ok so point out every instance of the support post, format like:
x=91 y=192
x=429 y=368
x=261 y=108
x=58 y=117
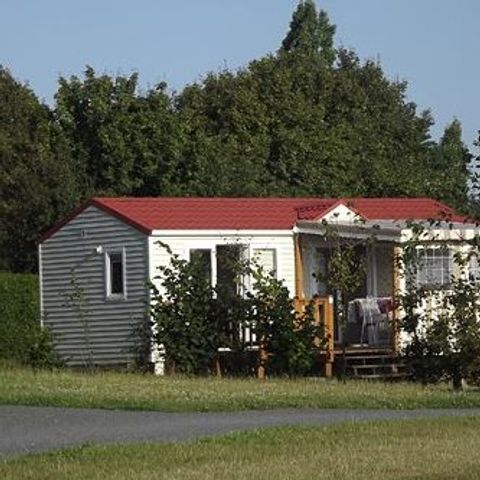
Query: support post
x=323 y=314
x=218 y=366
x=299 y=281
x=263 y=362
x=329 y=333
x=395 y=295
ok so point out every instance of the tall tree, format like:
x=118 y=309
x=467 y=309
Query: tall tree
x=37 y=180
x=310 y=33
x=125 y=141
x=451 y=163
x=474 y=197
x=311 y=120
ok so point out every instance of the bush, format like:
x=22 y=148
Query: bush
x=21 y=337
x=184 y=317
x=287 y=337
x=444 y=339
x=192 y=320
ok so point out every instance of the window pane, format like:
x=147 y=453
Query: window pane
x=265 y=257
x=473 y=269
x=116 y=273
x=229 y=277
x=203 y=258
x=434 y=267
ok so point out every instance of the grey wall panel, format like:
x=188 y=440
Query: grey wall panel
x=105 y=330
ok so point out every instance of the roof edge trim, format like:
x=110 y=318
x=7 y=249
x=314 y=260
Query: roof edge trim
x=92 y=202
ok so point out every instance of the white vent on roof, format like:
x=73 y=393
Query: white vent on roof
x=341 y=214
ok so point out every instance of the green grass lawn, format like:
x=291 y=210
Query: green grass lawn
x=19 y=386
x=445 y=448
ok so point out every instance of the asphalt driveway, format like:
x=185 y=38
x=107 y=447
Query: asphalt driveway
x=39 y=429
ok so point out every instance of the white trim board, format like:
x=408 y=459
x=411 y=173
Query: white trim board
x=221 y=233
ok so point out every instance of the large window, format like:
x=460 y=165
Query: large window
x=115 y=279
x=434 y=267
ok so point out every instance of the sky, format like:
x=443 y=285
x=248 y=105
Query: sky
x=432 y=44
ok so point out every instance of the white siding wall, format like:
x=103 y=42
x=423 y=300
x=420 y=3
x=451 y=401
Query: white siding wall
x=430 y=304
x=182 y=244
x=109 y=326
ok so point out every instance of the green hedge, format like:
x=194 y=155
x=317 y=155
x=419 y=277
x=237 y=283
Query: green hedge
x=21 y=337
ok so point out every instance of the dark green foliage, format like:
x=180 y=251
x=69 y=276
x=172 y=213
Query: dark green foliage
x=21 y=337
x=123 y=141
x=183 y=315
x=451 y=160
x=287 y=337
x=192 y=320
x=443 y=326
x=310 y=33
x=448 y=345
x=37 y=180
x=421 y=350
x=460 y=331
x=473 y=207
x=298 y=123
x=312 y=120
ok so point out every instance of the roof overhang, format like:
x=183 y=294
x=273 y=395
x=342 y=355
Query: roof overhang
x=351 y=230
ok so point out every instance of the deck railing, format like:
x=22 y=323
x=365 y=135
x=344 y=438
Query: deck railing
x=322 y=310
x=323 y=316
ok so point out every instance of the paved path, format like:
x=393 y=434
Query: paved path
x=37 y=429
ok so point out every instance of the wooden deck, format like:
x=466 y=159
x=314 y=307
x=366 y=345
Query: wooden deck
x=370 y=364
x=363 y=350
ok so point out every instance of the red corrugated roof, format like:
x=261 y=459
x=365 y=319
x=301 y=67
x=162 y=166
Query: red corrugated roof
x=209 y=213
x=391 y=209
x=193 y=213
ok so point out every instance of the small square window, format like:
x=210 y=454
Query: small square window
x=434 y=267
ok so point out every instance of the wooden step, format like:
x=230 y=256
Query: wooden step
x=374 y=371
x=367 y=357
x=372 y=365
x=371 y=361
x=383 y=376
x=379 y=365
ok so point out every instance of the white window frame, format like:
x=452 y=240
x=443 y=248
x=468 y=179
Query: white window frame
x=108 y=272
x=474 y=269
x=275 y=258
x=444 y=253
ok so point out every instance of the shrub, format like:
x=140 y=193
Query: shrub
x=183 y=314
x=287 y=337
x=192 y=319
x=21 y=337
x=444 y=339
